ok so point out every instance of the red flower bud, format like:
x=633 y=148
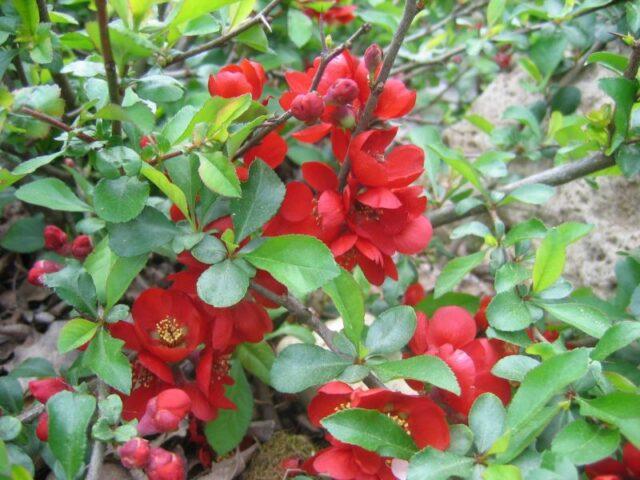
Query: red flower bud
x=81 y=246
x=69 y=162
x=373 y=58
x=414 y=294
x=342 y=92
x=164 y=412
x=54 y=238
x=503 y=60
x=41 y=268
x=134 y=453
x=164 y=465
x=307 y=107
x=345 y=117
x=42 y=429
x=45 y=388
x=631 y=459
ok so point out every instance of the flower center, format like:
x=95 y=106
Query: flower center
x=170 y=332
x=367 y=213
x=142 y=377
x=400 y=421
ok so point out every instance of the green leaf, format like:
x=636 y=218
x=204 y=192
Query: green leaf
x=547 y=52
x=532 y=228
x=257 y=358
x=502 y=472
x=615 y=338
x=623 y=92
x=535 y=194
x=191 y=9
x=105 y=358
x=172 y=191
x=69 y=417
x=549 y=263
x=487 y=420
x=10 y=395
x=566 y=100
x=391 y=331
x=74 y=286
x=581 y=316
x=37 y=367
x=432 y=464
x=514 y=367
x=509 y=275
x=209 y=250
x=75 y=333
x=613 y=61
x=429 y=304
x=10 y=428
x=255 y=38
x=584 y=443
x=35 y=163
x=495 y=10
x=508 y=312
x=424 y=368
x=628 y=159
x=262 y=195
x=160 y=88
x=230 y=426
x=371 y=430
x=29 y=14
x=299 y=27
x=347 y=297
x=300 y=262
x=121 y=199
x=457 y=162
x=149 y=230
x=544 y=382
x=25 y=235
x=223 y=284
x=112 y=274
x=455 y=270
x=219 y=175
x=51 y=193
x=620 y=409
x=301 y=366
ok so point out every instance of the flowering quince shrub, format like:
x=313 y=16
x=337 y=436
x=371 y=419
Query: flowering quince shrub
x=230 y=205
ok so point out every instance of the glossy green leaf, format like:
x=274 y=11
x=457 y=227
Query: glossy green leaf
x=508 y=312
x=615 y=338
x=424 y=368
x=121 y=199
x=105 y=358
x=219 y=175
x=455 y=270
x=391 y=331
x=579 y=315
x=51 y=193
x=149 y=230
x=487 y=420
x=75 y=333
x=584 y=443
x=432 y=464
x=223 y=284
x=347 y=297
x=257 y=358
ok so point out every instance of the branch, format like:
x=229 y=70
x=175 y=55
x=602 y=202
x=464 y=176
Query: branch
x=32 y=413
x=43 y=117
x=459 y=11
x=308 y=316
x=61 y=80
x=259 y=17
x=262 y=132
x=17 y=63
x=109 y=63
x=410 y=11
x=97 y=452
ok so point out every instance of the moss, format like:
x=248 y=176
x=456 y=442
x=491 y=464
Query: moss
x=265 y=465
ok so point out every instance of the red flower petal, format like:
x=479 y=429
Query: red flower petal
x=313 y=134
x=415 y=237
x=272 y=150
x=320 y=176
x=453 y=325
x=297 y=203
x=395 y=101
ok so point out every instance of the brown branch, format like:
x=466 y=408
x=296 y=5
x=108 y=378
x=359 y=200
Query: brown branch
x=411 y=9
x=109 y=62
x=33 y=412
x=61 y=80
x=43 y=117
x=274 y=123
x=458 y=11
x=221 y=40
x=97 y=452
x=304 y=314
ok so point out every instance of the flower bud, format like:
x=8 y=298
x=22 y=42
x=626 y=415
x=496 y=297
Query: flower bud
x=45 y=388
x=345 y=117
x=54 y=238
x=134 y=453
x=164 y=412
x=41 y=268
x=503 y=60
x=42 y=429
x=147 y=140
x=414 y=294
x=69 y=162
x=373 y=58
x=164 y=465
x=342 y=92
x=307 y=107
x=81 y=247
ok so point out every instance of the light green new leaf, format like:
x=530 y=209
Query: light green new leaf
x=584 y=443
x=219 y=175
x=171 y=190
x=581 y=316
x=615 y=338
x=105 y=358
x=347 y=297
x=75 y=333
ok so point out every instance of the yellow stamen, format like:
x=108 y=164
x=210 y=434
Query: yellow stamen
x=170 y=332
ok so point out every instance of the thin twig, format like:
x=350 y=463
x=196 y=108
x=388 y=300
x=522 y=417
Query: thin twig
x=410 y=11
x=109 y=62
x=28 y=415
x=459 y=11
x=97 y=452
x=221 y=40
x=274 y=123
x=17 y=63
x=311 y=318
x=61 y=79
x=57 y=123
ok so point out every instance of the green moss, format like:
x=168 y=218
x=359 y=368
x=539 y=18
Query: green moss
x=265 y=465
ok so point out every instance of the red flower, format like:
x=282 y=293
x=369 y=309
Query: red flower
x=236 y=80
x=40 y=269
x=167 y=323
x=612 y=469
x=150 y=377
x=42 y=429
x=307 y=107
x=414 y=294
x=81 y=247
x=338 y=13
x=372 y=167
x=420 y=416
x=342 y=461
x=271 y=150
x=207 y=393
x=481 y=315
x=45 y=388
x=164 y=412
x=134 y=453
x=342 y=92
x=164 y=465
x=54 y=238
x=450 y=334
